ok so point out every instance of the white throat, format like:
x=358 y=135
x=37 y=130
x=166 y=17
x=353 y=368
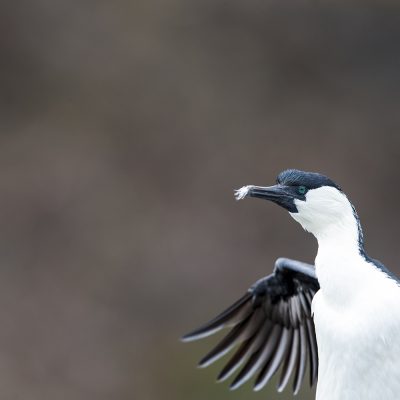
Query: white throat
x=328 y=214
x=330 y=217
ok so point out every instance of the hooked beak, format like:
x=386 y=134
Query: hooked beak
x=278 y=194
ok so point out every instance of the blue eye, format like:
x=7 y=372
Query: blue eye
x=301 y=190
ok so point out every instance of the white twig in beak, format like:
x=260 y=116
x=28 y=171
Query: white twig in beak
x=242 y=192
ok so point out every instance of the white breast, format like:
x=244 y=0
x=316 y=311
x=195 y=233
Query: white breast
x=357 y=320
x=357 y=309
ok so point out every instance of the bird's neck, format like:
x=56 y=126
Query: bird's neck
x=340 y=261
x=343 y=238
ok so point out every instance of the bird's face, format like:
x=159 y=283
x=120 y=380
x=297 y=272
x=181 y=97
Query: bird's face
x=312 y=199
x=323 y=208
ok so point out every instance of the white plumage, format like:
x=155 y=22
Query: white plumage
x=357 y=309
x=354 y=302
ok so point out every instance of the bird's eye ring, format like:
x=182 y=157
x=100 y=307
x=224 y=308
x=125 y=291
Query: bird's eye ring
x=302 y=190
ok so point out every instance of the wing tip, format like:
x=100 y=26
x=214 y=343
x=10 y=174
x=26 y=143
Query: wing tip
x=258 y=387
x=199 y=334
x=234 y=385
x=280 y=388
x=221 y=377
x=186 y=339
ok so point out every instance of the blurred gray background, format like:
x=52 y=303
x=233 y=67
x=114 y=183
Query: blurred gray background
x=125 y=127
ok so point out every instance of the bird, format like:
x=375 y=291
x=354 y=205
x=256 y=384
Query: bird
x=340 y=318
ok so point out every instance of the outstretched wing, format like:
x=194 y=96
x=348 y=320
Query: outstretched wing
x=271 y=326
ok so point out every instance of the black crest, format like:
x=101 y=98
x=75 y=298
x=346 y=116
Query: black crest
x=311 y=180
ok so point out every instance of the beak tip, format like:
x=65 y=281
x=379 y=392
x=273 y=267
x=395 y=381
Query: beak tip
x=243 y=192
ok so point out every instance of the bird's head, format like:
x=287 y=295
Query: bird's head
x=312 y=199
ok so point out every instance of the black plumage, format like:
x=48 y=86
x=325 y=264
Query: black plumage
x=271 y=328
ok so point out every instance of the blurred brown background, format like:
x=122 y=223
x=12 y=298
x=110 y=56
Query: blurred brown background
x=125 y=127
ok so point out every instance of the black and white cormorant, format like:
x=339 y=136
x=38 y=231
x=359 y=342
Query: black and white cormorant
x=341 y=317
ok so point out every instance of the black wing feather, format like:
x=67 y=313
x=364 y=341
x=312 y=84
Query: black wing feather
x=312 y=342
x=271 y=328
x=272 y=366
x=259 y=358
x=230 y=315
x=226 y=344
x=290 y=362
x=247 y=348
x=301 y=366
